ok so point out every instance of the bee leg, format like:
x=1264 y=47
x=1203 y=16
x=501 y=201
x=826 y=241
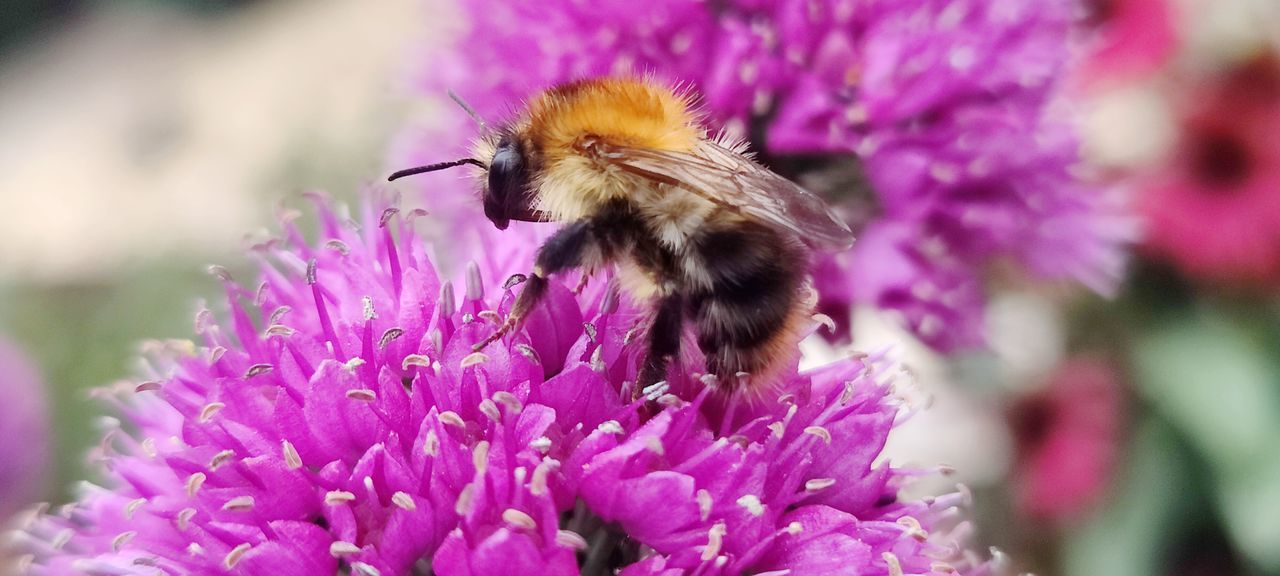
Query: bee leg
x=664 y=342
x=563 y=250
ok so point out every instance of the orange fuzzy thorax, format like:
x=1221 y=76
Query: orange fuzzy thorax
x=641 y=113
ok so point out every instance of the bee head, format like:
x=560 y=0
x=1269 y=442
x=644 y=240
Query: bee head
x=505 y=195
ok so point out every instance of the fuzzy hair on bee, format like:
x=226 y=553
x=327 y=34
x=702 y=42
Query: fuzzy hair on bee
x=693 y=225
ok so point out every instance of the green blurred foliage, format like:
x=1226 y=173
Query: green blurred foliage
x=88 y=335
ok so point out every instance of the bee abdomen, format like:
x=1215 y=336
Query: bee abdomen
x=750 y=302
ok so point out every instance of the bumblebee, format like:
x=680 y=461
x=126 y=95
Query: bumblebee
x=692 y=223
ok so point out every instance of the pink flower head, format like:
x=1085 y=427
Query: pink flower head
x=1069 y=439
x=338 y=420
x=941 y=107
x=1214 y=210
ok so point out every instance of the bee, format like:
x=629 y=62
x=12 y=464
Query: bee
x=691 y=222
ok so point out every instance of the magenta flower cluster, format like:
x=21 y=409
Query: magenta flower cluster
x=337 y=420
x=944 y=110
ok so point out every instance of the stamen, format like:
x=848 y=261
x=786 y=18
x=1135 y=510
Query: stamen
x=715 y=539
x=292 y=460
x=365 y=569
x=571 y=539
x=221 y=458
x=818 y=484
x=404 y=501
x=132 y=507
x=257 y=370
x=463 y=505
x=367 y=305
x=415 y=360
x=541 y=444
x=704 y=503
x=338 y=497
x=895 y=567
x=338 y=246
x=184 y=518
x=431 y=444
x=528 y=352
x=123 y=538
x=518 y=519
x=820 y=432
x=480 y=456
x=611 y=427
x=389 y=335
x=233 y=557
x=321 y=311
x=474 y=358
x=239 y=504
x=209 y=410
x=451 y=418
x=509 y=400
x=752 y=504
x=490 y=410
x=147 y=386
x=194 y=482
x=393 y=255
x=339 y=549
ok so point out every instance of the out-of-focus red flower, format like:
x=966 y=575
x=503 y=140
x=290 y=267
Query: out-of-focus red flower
x=1134 y=38
x=1068 y=439
x=1214 y=210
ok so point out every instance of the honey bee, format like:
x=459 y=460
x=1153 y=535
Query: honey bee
x=691 y=222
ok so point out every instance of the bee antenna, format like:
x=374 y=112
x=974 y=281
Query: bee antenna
x=469 y=110
x=432 y=168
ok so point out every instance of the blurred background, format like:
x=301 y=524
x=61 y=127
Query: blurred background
x=142 y=141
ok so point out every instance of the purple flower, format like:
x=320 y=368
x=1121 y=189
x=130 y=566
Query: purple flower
x=24 y=432
x=338 y=420
x=947 y=110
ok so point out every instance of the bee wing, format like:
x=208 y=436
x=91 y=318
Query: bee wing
x=733 y=181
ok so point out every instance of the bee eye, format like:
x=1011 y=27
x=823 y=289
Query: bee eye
x=506 y=188
x=505 y=171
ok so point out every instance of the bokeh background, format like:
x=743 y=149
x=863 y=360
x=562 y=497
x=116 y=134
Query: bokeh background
x=141 y=142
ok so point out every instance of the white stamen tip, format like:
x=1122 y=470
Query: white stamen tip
x=892 y=563
x=752 y=504
x=518 y=519
x=339 y=549
x=233 y=557
x=292 y=460
x=818 y=484
x=194 y=482
x=474 y=358
x=239 y=504
x=338 y=497
x=715 y=539
x=123 y=538
x=571 y=539
x=611 y=427
x=209 y=410
x=404 y=501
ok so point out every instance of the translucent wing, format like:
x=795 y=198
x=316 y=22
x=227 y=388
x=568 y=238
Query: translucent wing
x=732 y=180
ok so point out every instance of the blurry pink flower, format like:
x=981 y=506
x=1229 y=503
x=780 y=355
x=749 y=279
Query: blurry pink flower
x=1133 y=38
x=24 y=432
x=942 y=110
x=1068 y=436
x=1215 y=208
